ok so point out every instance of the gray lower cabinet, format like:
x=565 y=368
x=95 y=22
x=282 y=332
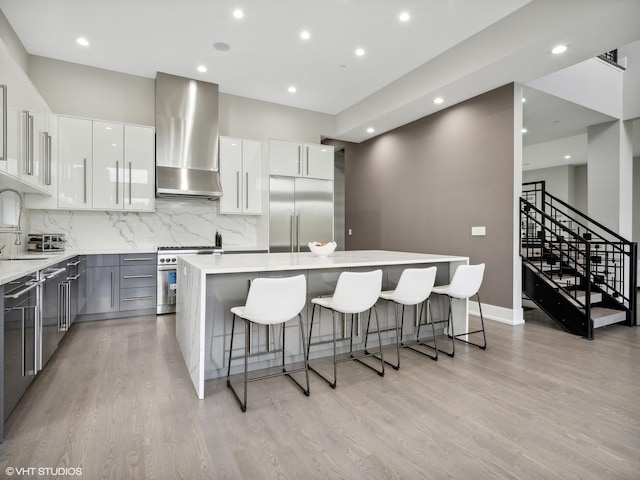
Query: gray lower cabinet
x=82 y=285
x=119 y=286
x=103 y=284
x=138 y=282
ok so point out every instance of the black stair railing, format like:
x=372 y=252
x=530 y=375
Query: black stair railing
x=580 y=245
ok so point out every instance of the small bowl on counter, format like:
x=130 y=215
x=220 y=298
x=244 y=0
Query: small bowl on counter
x=322 y=249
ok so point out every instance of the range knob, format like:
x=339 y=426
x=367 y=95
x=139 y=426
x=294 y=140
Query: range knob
x=174 y=260
x=161 y=260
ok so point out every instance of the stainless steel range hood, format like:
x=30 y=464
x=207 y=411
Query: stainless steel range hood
x=186 y=138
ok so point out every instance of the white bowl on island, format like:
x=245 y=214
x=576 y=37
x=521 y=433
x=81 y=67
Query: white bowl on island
x=322 y=249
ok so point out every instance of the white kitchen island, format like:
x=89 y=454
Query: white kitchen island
x=209 y=285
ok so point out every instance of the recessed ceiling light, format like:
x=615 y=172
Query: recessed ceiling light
x=82 y=41
x=108 y=128
x=292 y=89
x=438 y=100
x=202 y=69
x=567 y=157
x=360 y=52
x=524 y=130
x=524 y=99
x=370 y=130
x=221 y=46
x=404 y=16
x=238 y=13
x=305 y=35
x=558 y=49
x=114 y=144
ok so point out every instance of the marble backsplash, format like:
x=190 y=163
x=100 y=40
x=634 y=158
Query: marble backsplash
x=174 y=223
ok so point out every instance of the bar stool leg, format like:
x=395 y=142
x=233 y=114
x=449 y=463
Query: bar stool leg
x=332 y=383
x=417 y=341
x=484 y=336
x=395 y=366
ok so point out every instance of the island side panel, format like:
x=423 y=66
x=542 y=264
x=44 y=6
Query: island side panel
x=190 y=321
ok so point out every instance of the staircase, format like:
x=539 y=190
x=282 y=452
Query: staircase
x=580 y=273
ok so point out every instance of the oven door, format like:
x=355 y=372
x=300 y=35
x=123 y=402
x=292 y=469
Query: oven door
x=166 y=289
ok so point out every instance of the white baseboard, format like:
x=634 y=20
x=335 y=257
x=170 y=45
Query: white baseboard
x=499 y=314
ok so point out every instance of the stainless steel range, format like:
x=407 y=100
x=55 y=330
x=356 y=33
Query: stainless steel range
x=167 y=279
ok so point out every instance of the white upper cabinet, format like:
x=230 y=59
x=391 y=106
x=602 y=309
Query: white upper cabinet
x=241 y=176
x=108 y=158
x=139 y=168
x=319 y=161
x=103 y=166
x=75 y=158
x=23 y=142
x=300 y=159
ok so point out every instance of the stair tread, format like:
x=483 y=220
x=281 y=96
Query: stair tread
x=602 y=316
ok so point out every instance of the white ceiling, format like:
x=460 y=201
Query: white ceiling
x=453 y=48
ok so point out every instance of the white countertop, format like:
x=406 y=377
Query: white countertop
x=261 y=262
x=18 y=266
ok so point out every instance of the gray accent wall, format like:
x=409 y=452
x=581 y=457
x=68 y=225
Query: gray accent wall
x=421 y=187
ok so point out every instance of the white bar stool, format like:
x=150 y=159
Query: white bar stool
x=356 y=292
x=271 y=301
x=465 y=283
x=413 y=289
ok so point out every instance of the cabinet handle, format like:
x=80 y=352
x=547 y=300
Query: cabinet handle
x=25 y=124
x=137 y=276
x=31 y=139
x=4 y=122
x=246 y=190
x=308 y=161
x=73 y=264
x=139 y=259
x=24 y=346
x=117 y=182
x=133 y=299
x=84 y=169
x=67 y=323
x=298 y=232
x=48 y=160
x=299 y=161
x=113 y=290
x=129 y=183
x=237 y=190
x=60 y=307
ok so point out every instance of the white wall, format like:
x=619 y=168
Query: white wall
x=636 y=200
x=630 y=55
x=593 y=84
x=13 y=43
x=559 y=181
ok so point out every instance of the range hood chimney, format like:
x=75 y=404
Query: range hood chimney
x=186 y=138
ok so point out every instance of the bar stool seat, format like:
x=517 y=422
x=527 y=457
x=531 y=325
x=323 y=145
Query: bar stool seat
x=355 y=292
x=465 y=283
x=413 y=289
x=270 y=301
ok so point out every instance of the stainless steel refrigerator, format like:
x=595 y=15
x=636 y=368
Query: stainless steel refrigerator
x=300 y=211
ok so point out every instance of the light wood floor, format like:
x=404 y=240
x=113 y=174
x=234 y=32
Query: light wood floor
x=116 y=401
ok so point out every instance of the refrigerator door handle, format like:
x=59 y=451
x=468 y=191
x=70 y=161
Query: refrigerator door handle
x=292 y=233
x=298 y=232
